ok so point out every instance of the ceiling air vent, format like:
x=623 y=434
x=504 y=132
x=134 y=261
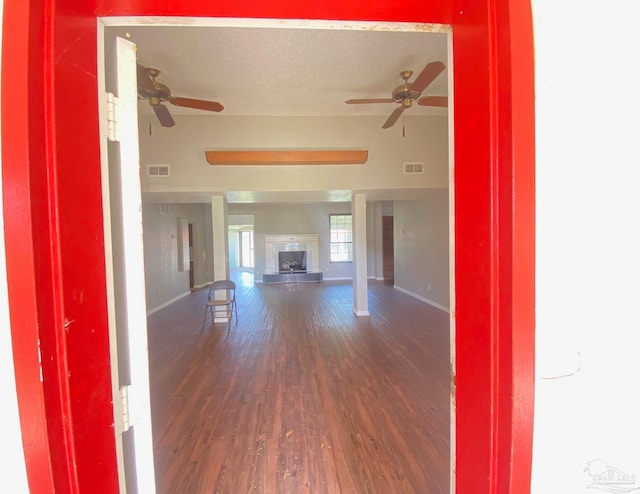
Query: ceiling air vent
x=157 y=170
x=413 y=167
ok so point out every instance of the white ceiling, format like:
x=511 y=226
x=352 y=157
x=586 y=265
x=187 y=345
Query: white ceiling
x=287 y=69
x=267 y=67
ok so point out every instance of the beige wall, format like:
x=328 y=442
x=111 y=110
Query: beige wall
x=163 y=280
x=420 y=230
x=421 y=247
x=183 y=148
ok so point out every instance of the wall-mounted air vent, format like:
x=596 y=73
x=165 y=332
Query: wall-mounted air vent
x=157 y=170
x=163 y=208
x=413 y=167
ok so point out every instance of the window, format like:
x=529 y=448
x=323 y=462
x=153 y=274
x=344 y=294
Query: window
x=340 y=243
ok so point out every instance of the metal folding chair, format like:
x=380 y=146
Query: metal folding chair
x=221 y=299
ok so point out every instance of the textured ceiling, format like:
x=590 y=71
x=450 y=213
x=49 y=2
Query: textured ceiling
x=263 y=67
x=289 y=70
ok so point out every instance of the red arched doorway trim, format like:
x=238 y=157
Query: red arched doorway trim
x=54 y=239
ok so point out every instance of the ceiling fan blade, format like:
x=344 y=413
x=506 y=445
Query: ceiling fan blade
x=165 y=118
x=368 y=100
x=144 y=79
x=427 y=76
x=198 y=104
x=439 y=101
x=395 y=115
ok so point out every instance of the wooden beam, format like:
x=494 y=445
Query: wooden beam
x=275 y=157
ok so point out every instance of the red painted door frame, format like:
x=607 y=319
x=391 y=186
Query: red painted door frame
x=52 y=198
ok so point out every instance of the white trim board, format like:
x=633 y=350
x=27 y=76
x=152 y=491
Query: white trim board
x=270 y=23
x=168 y=302
x=426 y=300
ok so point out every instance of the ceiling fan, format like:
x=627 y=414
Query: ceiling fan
x=157 y=93
x=408 y=93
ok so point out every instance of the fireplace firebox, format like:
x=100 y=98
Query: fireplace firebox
x=293 y=261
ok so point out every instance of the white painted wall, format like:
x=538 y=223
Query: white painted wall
x=588 y=242
x=183 y=147
x=421 y=247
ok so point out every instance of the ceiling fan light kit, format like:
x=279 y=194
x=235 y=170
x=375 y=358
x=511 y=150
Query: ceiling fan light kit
x=407 y=93
x=157 y=94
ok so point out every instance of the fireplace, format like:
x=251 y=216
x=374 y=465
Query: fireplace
x=292 y=258
x=294 y=261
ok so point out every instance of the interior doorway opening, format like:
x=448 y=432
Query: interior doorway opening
x=245 y=239
x=192 y=274
x=241 y=242
x=244 y=248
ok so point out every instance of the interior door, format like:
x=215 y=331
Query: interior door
x=387 y=248
x=125 y=271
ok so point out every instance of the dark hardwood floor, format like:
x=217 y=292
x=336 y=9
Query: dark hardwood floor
x=301 y=396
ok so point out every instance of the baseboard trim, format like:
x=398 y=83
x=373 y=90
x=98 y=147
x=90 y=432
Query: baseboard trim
x=423 y=299
x=168 y=302
x=302 y=277
x=350 y=278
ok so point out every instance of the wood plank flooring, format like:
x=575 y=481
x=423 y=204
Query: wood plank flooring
x=301 y=396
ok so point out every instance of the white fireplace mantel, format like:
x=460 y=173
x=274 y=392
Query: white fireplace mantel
x=289 y=242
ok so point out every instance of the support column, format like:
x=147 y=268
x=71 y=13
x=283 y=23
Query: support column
x=359 y=238
x=220 y=232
